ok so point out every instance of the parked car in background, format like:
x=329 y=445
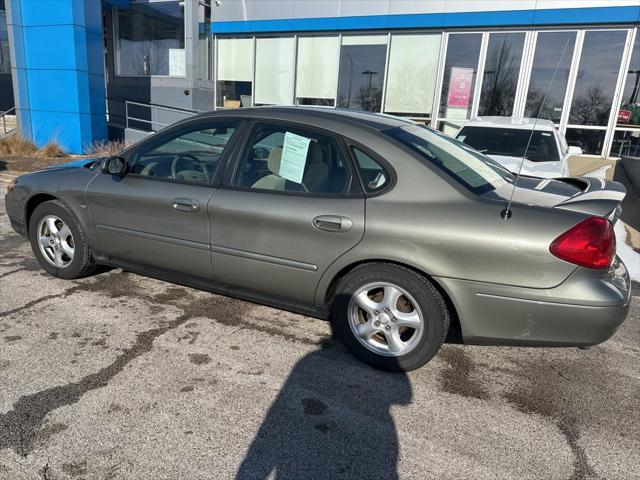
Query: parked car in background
x=393 y=231
x=505 y=140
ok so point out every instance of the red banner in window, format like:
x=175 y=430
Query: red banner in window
x=460 y=87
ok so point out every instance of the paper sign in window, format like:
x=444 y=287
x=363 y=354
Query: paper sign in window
x=177 y=62
x=294 y=157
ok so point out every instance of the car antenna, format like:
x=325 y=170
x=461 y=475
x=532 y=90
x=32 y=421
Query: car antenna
x=506 y=213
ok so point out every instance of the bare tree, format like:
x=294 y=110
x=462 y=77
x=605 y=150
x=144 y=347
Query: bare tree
x=590 y=106
x=500 y=81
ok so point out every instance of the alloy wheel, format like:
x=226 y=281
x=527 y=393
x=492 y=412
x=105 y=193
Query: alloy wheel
x=386 y=319
x=56 y=241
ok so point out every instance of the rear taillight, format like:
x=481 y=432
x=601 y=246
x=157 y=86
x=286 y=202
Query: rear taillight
x=591 y=243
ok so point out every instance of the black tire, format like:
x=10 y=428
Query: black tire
x=429 y=300
x=82 y=264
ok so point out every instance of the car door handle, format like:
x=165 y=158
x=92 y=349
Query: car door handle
x=185 y=205
x=332 y=223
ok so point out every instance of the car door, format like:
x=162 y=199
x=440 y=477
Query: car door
x=156 y=214
x=290 y=207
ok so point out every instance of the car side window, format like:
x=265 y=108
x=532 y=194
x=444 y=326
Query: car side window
x=290 y=159
x=192 y=156
x=374 y=176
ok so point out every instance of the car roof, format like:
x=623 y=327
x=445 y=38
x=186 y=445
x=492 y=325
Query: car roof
x=510 y=122
x=314 y=115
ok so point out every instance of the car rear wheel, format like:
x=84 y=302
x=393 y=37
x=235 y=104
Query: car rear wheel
x=389 y=316
x=58 y=241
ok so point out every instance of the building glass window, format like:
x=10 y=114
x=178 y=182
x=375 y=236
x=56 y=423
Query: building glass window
x=150 y=39
x=235 y=72
x=594 y=89
x=589 y=140
x=597 y=75
x=411 y=78
x=362 y=65
x=626 y=143
x=5 y=63
x=459 y=80
x=501 y=73
x=275 y=71
x=203 y=72
x=317 y=70
x=629 y=113
x=626 y=139
x=553 y=49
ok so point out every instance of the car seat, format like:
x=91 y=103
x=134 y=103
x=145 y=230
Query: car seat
x=315 y=174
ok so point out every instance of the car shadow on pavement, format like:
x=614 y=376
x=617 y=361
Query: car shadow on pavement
x=331 y=419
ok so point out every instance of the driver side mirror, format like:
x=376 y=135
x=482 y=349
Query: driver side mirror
x=116 y=166
x=574 y=150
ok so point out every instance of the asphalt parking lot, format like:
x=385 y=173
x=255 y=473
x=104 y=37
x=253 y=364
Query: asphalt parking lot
x=119 y=376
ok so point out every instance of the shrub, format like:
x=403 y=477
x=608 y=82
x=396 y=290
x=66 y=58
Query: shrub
x=51 y=150
x=17 y=146
x=106 y=148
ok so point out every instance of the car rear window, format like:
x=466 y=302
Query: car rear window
x=511 y=142
x=475 y=171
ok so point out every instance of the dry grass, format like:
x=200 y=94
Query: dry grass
x=106 y=148
x=16 y=145
x=51 y=150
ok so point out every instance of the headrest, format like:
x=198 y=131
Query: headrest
x=314 y=154
x=273 y=160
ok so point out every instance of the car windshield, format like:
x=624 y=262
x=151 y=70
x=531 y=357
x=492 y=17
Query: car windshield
x=511 y=142
x=475 y=171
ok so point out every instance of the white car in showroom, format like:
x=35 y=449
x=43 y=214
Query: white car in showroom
x=505 y=139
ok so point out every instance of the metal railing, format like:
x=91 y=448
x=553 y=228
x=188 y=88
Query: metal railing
x=152 y=123
x=3 y=121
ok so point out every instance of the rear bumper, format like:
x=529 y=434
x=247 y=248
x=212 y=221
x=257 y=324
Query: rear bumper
x=586 y=309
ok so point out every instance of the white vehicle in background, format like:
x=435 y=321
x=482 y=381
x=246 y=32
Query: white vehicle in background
x=505 y=139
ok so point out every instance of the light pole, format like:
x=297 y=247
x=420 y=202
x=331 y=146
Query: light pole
x=370 y=73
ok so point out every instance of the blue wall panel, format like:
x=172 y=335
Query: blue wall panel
x=59 y=70
x=55 y=91
x=49 y=47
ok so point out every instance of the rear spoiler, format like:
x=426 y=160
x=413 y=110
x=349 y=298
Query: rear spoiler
x=597 y=197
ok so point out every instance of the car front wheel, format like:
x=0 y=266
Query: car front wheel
x=389 y=316
x=58 y=241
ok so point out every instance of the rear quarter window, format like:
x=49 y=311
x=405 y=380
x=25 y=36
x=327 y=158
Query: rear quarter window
x=375 y=178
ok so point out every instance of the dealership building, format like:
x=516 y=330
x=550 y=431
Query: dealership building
x=83 y=71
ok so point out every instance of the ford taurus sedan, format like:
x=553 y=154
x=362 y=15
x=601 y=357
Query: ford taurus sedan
x=398 y=234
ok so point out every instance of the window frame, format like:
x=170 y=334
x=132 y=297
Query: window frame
x=182 y=128
x=247 y=137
